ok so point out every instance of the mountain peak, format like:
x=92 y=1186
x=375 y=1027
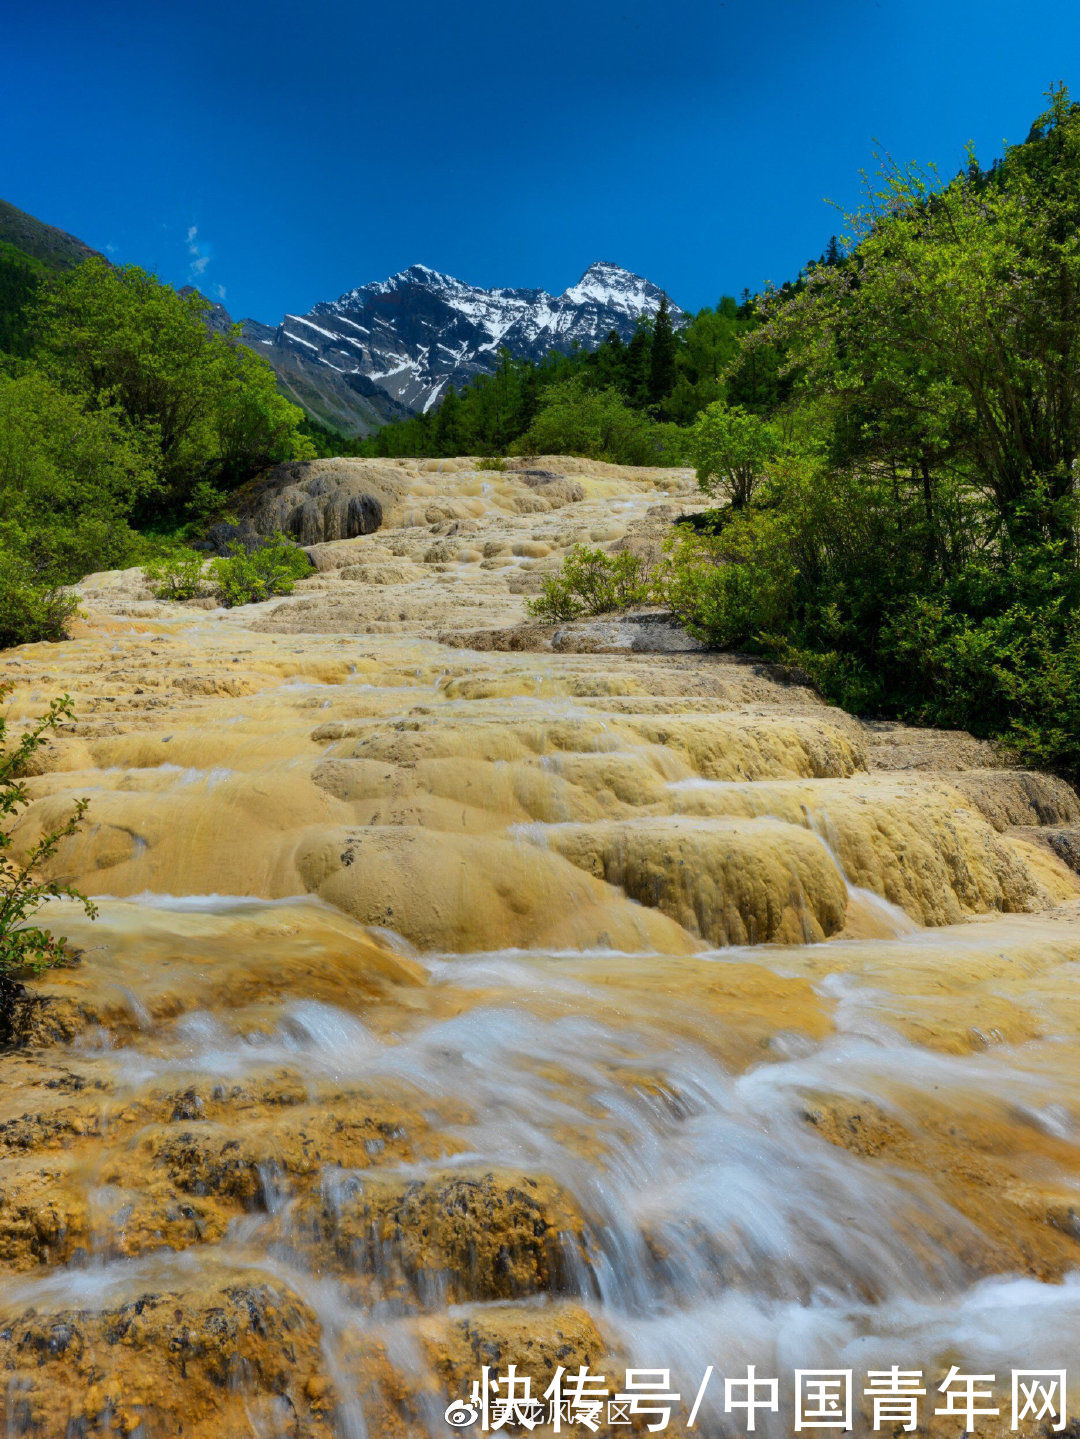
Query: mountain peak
x=411 y=336
x=425 y=275
x=609 y=268
x=605 y=283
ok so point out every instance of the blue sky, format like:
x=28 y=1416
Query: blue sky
x=279 y=153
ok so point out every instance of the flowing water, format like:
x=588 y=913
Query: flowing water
x=458 y=1003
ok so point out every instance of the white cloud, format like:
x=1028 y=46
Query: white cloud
x=198 y=254
x=219 y=291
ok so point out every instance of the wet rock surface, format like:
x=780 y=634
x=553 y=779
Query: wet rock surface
x=468 y=991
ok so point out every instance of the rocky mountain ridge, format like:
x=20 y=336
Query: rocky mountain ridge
x=393 y=347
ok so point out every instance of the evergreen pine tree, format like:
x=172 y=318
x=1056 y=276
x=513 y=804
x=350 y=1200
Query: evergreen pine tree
x=448 y=425
x=662 y=357
x=638 y=352
x=530 y=394
x=609 y=363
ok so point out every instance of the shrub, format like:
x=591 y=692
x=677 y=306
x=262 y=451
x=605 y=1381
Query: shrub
x=273 y=569
x=206 y=503
x=30 y=609
x=591 y=582
x=1013 y=672
x=176 y=573
x=69 y=475
x=492 y=462
x=671 y=444
x=831 y=570
x=577 y=420
x=734 y=588
x=729 y=449
x=25 y=947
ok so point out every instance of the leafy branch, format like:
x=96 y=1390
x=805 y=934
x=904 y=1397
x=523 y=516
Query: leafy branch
x=25 y=946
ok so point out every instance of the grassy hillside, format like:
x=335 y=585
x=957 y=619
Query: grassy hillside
x=45 y=243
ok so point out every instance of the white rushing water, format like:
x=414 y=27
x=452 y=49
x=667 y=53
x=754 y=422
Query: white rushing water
x=720 y=1229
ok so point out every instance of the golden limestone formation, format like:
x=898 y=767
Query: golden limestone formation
x=471 y=991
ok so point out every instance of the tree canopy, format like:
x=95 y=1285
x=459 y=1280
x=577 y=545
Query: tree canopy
x=914 y=543
x=204 y=404
x=119 y=410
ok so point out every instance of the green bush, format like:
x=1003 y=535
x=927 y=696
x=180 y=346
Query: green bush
x=29 y=609
x=671 y=444
x=1008 y=666
x=69 y=476
x=206 y=502
x=730 y=449
x=23 y=946
x=577 y=420
x=247 y=578
x=831 y=570
x=492 y=462
x=733 y=589
x=176 y=573
x=591 y=582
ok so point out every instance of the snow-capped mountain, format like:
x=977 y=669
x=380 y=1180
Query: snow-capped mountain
x=394 y=346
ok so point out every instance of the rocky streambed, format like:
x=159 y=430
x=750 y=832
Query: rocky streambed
x=470 y=994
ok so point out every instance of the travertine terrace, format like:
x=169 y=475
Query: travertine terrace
x=470 y=992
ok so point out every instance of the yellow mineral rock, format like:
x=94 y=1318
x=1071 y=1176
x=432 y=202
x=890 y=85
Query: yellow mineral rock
x=469 y=991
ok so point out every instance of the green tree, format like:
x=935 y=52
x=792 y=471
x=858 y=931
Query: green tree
x=21 y=277
x=577 y=420
x=950 y=338
x=913 y=545
x=493 y=411
x=710 y=342
x=448 y=424
x=608 y=363
x=731 y=451
x=638 y=354
x=662 y=354
x=206 y=406
x=69 y=477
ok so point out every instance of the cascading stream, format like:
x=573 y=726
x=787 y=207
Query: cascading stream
x=454 y=1004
